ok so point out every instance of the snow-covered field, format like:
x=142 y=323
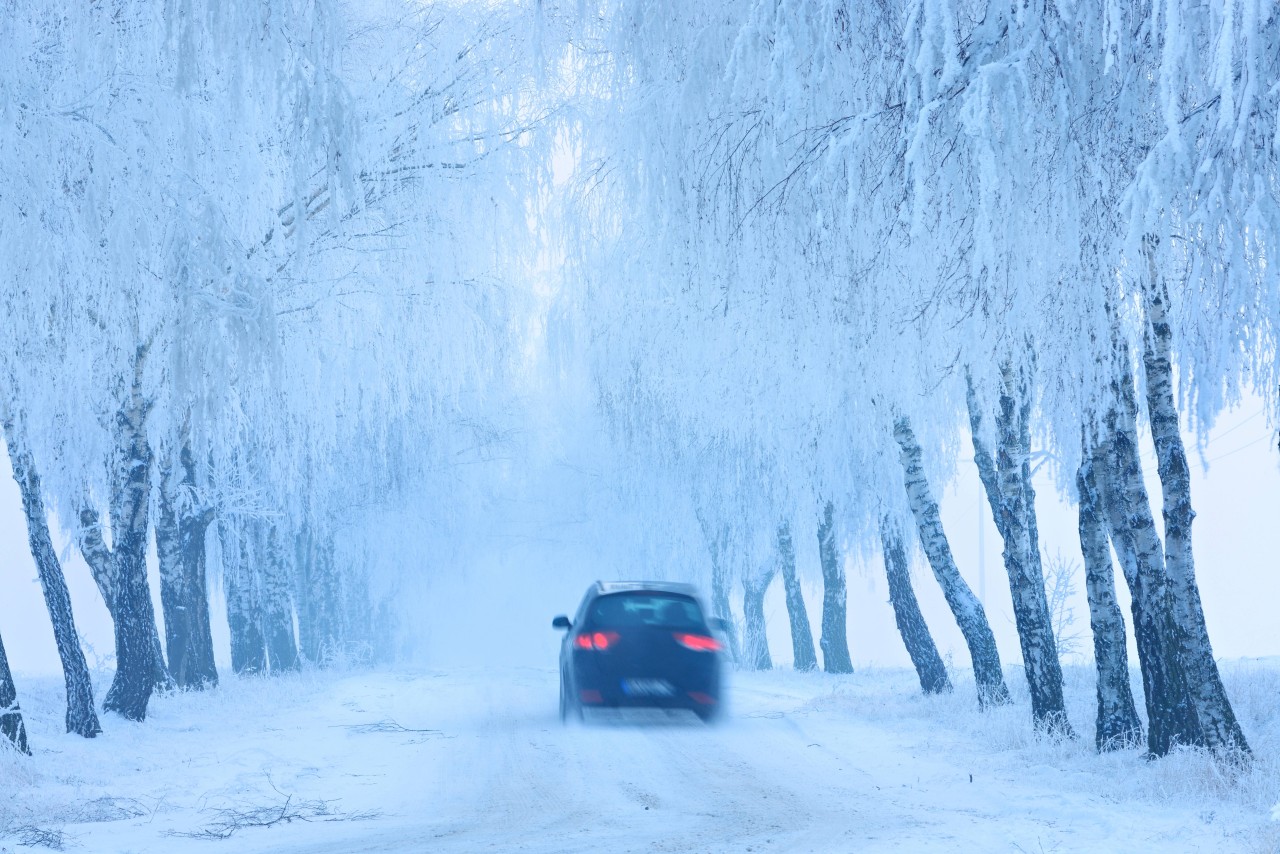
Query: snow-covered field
x=476 y=760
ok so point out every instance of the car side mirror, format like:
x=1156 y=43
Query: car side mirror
x=561 y=622
x=719 y=624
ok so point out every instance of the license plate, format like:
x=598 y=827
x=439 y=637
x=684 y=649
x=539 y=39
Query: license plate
x=647 y=688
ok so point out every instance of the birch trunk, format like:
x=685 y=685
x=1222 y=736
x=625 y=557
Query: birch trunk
x=835 y=619
x=82 y=719
x=248 y=646
x=1171 y=718
x=968 y=611
x=306 y=554
x=121 y=570
x=138 y=658
x=104 y=566
x=717 y=539
x=806 y=657
x=180 y=548
x=718 y=544
x=282 y=648
x=355 y=614
x=1117 y=724
x=319 y=621
x=12 y=726
x=244 y=600
x=906 y=613
x=755 y=640
x=1013 y=507
x=1216 y=718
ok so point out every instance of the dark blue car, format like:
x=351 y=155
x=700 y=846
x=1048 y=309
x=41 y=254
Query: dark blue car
x=639 y=644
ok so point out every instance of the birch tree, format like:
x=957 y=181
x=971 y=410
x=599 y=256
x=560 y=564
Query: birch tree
x=11 y=723
x=1117 y=722
x=1006 y=479
x=906 y=612
x=970 y=616
x=805 y=658
x=81 y=718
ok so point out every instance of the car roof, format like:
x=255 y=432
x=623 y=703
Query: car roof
x=605 y=587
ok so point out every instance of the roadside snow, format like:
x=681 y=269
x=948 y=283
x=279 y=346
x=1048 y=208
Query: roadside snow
x=472 y=760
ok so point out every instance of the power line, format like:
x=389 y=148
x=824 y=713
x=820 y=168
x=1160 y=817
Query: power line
x=1235 y=428
x=1241 y=448
x=1149 y=455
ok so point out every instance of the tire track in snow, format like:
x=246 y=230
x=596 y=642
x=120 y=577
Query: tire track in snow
x=794 y=768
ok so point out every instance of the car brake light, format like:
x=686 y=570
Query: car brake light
x=697 y=643
x=596 y=640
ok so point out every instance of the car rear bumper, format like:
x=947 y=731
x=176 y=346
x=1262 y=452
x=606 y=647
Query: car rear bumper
x=608 y=692
x=702 y=702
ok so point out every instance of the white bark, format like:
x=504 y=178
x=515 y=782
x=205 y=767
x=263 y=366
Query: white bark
x=1217 y=720
x=968 y=611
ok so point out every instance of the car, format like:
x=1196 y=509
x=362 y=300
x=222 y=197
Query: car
x=639 y=644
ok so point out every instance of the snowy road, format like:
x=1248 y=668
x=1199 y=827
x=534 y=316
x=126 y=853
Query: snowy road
x=804 y=763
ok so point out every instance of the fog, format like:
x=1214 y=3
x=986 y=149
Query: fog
x=492 y=599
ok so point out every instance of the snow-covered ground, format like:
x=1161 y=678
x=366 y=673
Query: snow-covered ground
x=476 y=760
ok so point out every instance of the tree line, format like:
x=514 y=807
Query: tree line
x=856 y=235
x=240 y=281
x=282 y=275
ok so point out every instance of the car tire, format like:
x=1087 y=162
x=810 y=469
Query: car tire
x=570 y=711
x=710 y=715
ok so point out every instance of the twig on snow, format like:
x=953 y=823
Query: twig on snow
x=391 y=726
x=31 y=836
x=227 y=821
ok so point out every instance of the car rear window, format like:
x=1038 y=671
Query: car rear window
x=660 y=610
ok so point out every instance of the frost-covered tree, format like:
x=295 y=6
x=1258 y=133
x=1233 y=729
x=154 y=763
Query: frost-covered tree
x=81 y=717
x=970 y=616
x=906 y=612
x=755 y=643
x=182 y=520
x=804 y=656
x=1006 y=479
x=835 y=613
x=775 y=295
x=1117 y=720
x=256 y=262
x=12 y=726
x=868 y=205
x=272 y=284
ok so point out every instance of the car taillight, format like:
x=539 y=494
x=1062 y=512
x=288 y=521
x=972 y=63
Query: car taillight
x=697 y=643
x=596 y=640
